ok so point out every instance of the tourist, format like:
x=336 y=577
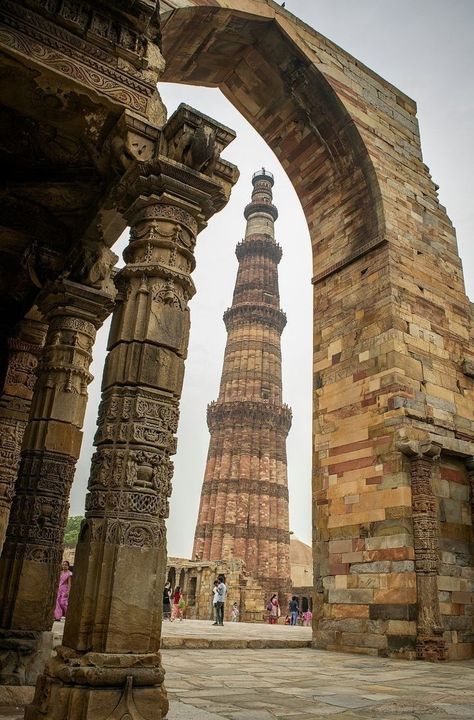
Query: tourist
x=215 y=597
x=62 y=597
x=294 y=610
x=234 y=613
x=221 y=595
x=273 y=608
x=167 y=601
x=178 y=605
x=307 y=618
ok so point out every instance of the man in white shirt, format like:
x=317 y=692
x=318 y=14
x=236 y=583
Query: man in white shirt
x=221 y=596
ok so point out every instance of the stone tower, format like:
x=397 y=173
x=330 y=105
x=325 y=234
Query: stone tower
x=243 y=512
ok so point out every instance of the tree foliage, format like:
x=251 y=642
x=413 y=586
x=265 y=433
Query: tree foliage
x=71 y=533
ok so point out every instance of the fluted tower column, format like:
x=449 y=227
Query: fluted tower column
x=243 y=512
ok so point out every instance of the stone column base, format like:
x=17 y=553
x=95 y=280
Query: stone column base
x=431 y=648
x=23 y=655
x=100 y=685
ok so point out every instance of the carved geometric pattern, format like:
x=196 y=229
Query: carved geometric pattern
x=73 y=56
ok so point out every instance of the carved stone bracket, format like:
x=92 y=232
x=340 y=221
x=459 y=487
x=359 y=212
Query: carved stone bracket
x=429 y=642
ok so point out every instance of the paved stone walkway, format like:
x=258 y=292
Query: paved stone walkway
x=300 y=684
x=309 y=684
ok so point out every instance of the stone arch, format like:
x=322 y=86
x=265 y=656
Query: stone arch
x=290 y=102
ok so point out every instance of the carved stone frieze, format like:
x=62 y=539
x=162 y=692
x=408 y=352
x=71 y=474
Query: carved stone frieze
x=92 y=62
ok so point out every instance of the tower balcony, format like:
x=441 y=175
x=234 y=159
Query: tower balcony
x=254 y=413
x=263 y=174
x=260 y=207
x=251 y=313
x=259 y=244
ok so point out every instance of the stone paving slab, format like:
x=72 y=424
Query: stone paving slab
x=307 y=684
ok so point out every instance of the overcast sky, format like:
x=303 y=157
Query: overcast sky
x=425 y=48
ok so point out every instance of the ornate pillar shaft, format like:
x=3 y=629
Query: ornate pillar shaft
x=429 y=642
x=109 y=665
x=15 y=404
x=32 y=552
x=470 y=475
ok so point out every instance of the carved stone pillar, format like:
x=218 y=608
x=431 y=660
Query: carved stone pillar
x=109 y=665
x=470 y=475
x=429 y=641
x=29 y=566
x=15 y=404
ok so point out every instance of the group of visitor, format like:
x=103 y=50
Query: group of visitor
x=293 y=617
x=174 y=603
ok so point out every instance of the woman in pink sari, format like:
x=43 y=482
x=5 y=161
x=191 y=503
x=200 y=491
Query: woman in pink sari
x=62 y=597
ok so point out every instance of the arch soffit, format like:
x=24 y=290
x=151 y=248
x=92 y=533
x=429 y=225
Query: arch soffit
x=270 y=78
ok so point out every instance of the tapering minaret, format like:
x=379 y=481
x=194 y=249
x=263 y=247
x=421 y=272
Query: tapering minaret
x=244 y=500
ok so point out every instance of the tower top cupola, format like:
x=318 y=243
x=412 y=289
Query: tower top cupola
x=262 y=196
x=263 y=175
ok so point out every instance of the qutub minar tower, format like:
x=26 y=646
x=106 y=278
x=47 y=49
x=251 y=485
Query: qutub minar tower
x=244 y=501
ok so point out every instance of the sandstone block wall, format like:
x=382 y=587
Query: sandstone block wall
x=393 y=351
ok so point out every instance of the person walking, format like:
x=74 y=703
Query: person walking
x=62 y=598
x=221 y=596
x=294 y=610
x=273 y=608
x=234 y=613
x=167 y=601
x=178 y=605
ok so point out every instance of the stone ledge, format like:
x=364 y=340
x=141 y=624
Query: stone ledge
x=183 y=643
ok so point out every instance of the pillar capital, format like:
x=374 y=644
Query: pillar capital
x=65 y=297
x=187 y=171
x=420 y=449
